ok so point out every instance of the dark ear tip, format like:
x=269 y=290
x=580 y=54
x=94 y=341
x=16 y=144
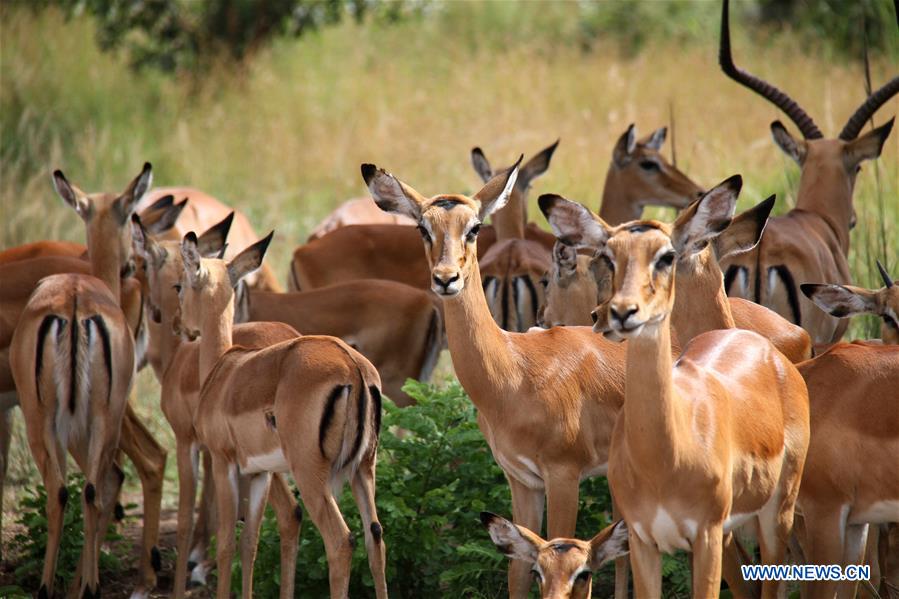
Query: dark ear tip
x=58 y=174
x=191 y=237
x=148 y=166
x=517 y=163
x=182 y=203
x=777 y=125
x=547 y=201
x=135 y=219
x=734 y=183
x=268 y=238
x=487 y=518
x=368 y=172
x=808 y=289
x=477 y=150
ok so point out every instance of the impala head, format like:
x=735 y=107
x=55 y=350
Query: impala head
x=563 y=568
x=641 y=256
x=531 y=169
x=107 y=216
x=572 y=290
x=164 y=266
x=640 y=172
x=843 y=301
x=448 y=223
x=834 y=162
x=207 y=284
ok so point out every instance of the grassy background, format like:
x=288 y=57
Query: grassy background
x=282 y=137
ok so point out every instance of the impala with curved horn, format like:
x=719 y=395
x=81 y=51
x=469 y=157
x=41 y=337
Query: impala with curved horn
x=811 y=242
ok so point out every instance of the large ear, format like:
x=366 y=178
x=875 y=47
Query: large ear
x=497 y=191
x=625 y=146
x=513 y=541
x=565 y=258
x=71 y=195
x=390 y=194
x=867 y=146
x=536 y=166
x=792 y=147
x=127 y=202
x=572 y=223
x=611 y=542
x=707 y=217
x=248 y=260
x=191 y=258
x=165 y=217
x=144 y=245
x=655 y=140
x=481 y=164
x=842 y=300
x=745 y=230
x=212 y=241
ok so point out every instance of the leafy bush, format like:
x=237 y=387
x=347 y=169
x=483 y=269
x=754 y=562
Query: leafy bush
x=32 y=542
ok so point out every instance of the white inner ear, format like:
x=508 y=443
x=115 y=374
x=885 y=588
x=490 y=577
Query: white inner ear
x=388 y=194
x=631 y=139
x=501 y=200
x=573 y=220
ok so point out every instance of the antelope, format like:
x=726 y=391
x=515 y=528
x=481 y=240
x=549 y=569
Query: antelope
x=37 y=249
x=685 y=466
x=570 y=288
x=562 y=567
x=327 y=394
x=202 y=212
x=811 y=242
x=358 y=211
x=180 y=381
x=513 y=266
x=547 y=400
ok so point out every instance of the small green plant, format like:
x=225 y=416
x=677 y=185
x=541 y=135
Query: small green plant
x=32 y=542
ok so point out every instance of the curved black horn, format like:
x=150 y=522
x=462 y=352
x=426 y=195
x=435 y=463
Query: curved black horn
x=865 y=111
x=766 y=90
x=884 y=275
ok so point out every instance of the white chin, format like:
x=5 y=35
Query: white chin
x=451 y=292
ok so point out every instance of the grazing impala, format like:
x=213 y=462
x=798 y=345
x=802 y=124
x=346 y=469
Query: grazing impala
x=811 y=242
x=563 y=567
x=320 y=392
x=547 y=400
x=686 y=467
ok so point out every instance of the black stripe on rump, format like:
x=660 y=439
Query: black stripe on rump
x=328 y=415
x=107 y=350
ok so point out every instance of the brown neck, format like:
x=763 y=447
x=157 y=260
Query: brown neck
x=215 y=337
x=828 y=193
x=509 y=222
x=653 y=418
x=479 y=348
x=700 y=303
x=616 y=206
x=106 y=266
x=169 y=342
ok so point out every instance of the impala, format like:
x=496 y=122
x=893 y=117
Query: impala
x=546 y=400
x=37 y=249
x=178 y=362
x=811 y=242
x=324 y=394
x=358 y=211
x=571 y=289
x=563 y=567
x=685 y=467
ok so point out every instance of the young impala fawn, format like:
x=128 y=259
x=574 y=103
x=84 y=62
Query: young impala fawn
x=705 y=443
x=547 y=400
x=320 y=392
x=562 y=567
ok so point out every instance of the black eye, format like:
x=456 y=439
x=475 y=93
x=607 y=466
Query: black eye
x=177 y=288
x=472 y=233
x=649 y=165
x=424 y=233
x=544 y=281
x=583 y=576
x=665 y=261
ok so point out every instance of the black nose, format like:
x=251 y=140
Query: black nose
x=445 y=283
x=622 y=317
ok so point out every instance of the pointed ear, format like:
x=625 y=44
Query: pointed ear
x=127 y=202
x=145 y=246
x=745 y=230
x=390 y=194
x=792 y=147
x=611 y=542
x=867 y=146
x=513 y=541
x=191 y=258
x=71 y=195
x=706 y=218
x=656 y=139
x=212 y=241
x=536 y=166
x=625 y=146
x=565 y=258
x=248 y=260
x=481 y=164
x=843 y=301
x=572 y=223
x=497 y=191
x=167 y=216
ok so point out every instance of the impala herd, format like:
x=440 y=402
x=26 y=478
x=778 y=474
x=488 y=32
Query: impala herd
x=732 y=406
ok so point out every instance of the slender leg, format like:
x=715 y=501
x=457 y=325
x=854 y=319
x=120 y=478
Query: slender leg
x=527 y=511
x=646 y=563
x=187 y=492
x=5 y=438
x=734 y=557
x=149 y=459
x=249 y=538
x=363 y=485
x=622 y=565
x=53 y=477
x=707 y=562
x=853 y=553
x=824 y=533
x=198 y=563
x=290 y=518
x=225 y=474
x=561 y=505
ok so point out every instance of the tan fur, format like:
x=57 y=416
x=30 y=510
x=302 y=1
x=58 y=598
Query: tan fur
x=250 y=395
x=38 y=249
x=571 y=291
x=358 y=211
x=511 y=270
